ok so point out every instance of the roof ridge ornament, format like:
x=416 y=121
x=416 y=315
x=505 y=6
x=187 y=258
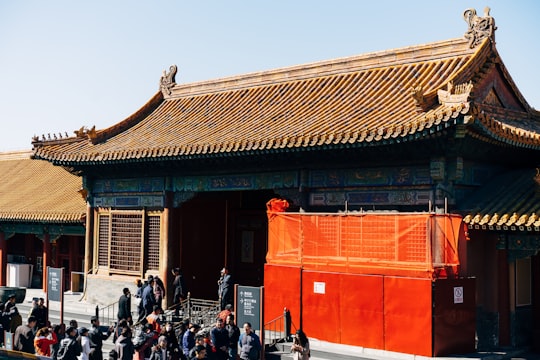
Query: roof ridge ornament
x=455 y=94
x=167 y=80
x=417 y=93
x=479 y=27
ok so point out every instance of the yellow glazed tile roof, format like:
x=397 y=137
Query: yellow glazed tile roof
x=37 y=191
x=510 y=200
x=384 y=96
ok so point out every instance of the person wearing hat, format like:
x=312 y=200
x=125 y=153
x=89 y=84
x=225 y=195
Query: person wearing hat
x=11 y=313
x=85 y=343
x=69 y=347
x=23 y=339
x=124 y=307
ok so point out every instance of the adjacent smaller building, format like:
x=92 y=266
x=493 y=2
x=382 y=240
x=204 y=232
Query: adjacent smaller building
x=42 y=221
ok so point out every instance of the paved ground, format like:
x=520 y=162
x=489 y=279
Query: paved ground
x=77 y=308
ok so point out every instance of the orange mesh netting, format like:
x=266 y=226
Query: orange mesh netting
x=364 y=243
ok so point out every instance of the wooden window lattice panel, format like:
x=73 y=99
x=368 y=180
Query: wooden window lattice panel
x=126 y=242
x=152 y=247
x=103 y=240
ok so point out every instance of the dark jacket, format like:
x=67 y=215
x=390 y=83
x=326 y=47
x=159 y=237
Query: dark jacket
x=97 y=337
x=124 y=307
x=124 y=348
x=250 y=346
x=73 y=348
x=23 y=339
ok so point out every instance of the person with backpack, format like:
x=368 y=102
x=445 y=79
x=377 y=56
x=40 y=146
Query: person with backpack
x=143 y=341
x=23 y=339
x=69 y=348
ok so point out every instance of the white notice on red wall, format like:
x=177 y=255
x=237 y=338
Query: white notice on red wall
x=319 y=287
x=458 y=295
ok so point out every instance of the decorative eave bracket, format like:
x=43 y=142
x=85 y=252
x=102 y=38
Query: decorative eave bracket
x=458 y=94
x=479 y=28
x=167 y=80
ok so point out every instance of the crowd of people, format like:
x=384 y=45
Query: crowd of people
x=149 y=338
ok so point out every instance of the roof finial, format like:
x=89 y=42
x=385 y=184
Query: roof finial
x=167 y=80
x=479 y=27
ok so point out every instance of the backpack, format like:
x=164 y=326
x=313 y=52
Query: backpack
x=64 y=349
x=139 y=339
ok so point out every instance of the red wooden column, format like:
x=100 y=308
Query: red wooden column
x=3 y=259
x=47 y=256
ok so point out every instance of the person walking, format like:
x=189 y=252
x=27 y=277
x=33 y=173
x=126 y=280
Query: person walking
x=124 y=307
x=148 y=299
x=179 y=289
x=138 y=296
x=250 y=344
x=97 y=337
x=23 y=339
x=300 y=346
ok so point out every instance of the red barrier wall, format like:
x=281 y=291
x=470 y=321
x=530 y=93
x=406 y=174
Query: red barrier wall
x=281 y=289
x=407 y=315
x=350 y=311
x=374 y=311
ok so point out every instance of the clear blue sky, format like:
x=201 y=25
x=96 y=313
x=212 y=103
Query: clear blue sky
x=67 y=64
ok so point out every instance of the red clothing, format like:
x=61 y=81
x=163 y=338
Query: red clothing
x=43 y=344
x=153 y=319
x=223 y=315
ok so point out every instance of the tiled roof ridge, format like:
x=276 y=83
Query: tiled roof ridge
x=429 y=120
x=15 y=155
x=502 y=131
x=38 y=216
x=96 y=136
x=131 y=120
x=473 y=64
x=366 y=61
x=517 y=188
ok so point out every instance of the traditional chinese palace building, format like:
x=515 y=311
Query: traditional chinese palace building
x=438 y=127
x=42 y=218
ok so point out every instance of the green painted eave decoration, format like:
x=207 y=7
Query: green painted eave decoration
x=54 y=230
